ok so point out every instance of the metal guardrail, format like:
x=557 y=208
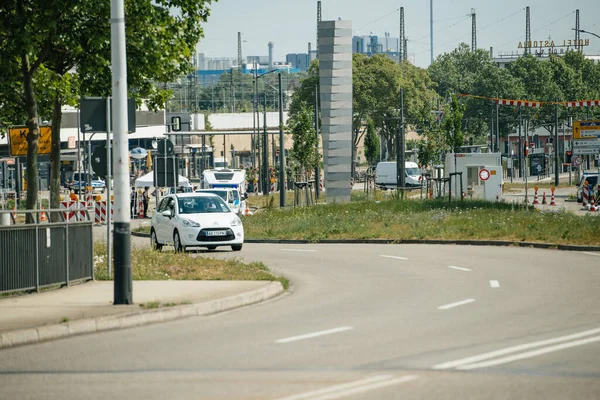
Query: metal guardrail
x=41 y=254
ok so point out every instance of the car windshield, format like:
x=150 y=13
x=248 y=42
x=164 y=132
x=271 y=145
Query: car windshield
x=200 y=205
x=413 y=171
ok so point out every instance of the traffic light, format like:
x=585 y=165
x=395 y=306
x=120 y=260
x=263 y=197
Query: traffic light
x=569 y=157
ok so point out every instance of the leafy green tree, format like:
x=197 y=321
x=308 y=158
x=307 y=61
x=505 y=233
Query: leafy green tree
x=452 y=124
x=371 y=143
x=463 y=71
x=63 y=50
x=304 y=153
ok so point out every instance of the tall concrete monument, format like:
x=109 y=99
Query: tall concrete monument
x=335 y=57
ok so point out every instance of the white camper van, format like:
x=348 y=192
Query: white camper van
x=234 y=179
x=385 y=174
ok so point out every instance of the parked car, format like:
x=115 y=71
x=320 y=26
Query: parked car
x=236 y=202
x=79 y=182
x=195 y=220
x=592 y=179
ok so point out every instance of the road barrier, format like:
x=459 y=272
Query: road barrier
x=100 y=211
x=73 y=210
x=36 y=255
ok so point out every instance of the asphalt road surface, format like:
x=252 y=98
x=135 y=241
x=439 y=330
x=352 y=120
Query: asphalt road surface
x=361 y=322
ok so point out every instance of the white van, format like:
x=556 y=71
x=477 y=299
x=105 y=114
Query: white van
x=385 y=174
x=234 y=179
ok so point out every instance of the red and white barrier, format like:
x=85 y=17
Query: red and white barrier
x=74 y=210
x=141 y=206
x=585 y=195
x=100 y=211
x=535 y=197
x=89 y=198
x=552 y=202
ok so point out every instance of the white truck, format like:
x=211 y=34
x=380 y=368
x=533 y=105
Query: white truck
x=385 y=174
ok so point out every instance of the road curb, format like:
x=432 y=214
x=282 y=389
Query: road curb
x=499 y=243
x=143 y=317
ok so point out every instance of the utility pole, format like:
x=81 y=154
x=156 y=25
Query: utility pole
x=498 y=128
x=556 y=144
x=431 y=28
x=318 y=20
x=123 y=284
x=578 y=47
x=473 y=30
x=401 y=39
x=400 y=168
x=282 y=191
x=317 y=173
x=265 y=150
x=491 y=126
x=527 y=32
x=520 y=147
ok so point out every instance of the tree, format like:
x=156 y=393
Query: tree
x=304 y=151
x=70 y=42
x=452 y=124
x=371 y=143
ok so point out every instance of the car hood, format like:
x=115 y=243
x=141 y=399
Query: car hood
x=210 y=220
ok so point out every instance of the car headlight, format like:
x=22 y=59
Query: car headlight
x=189 y=224
x=236 y=221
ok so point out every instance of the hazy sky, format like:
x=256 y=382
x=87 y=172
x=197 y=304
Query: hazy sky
x=291 y=24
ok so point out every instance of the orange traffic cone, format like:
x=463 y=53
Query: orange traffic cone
x=14 y=213
x=552 y=202
x=247 y=211
x=43 y=215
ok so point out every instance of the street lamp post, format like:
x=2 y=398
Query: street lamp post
x=583 y=31
x=265 y=167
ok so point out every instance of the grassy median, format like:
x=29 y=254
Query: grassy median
x=168 y=265
x=392 y=219
x=431 y=219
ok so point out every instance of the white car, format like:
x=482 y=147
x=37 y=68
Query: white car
x=195 y=220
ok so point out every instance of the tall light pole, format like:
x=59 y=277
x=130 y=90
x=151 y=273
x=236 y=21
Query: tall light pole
x=265 y=167
x=583 y=31
x=122 y=227
x=282 y=185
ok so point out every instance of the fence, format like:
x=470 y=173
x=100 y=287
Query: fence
x=33 y=256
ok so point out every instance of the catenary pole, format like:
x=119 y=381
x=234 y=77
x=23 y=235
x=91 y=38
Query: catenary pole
x=282 y=191
x=122 y=225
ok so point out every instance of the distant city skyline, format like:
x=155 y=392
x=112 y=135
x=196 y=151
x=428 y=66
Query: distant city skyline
x=292 y=25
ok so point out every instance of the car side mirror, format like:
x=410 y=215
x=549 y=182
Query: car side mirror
x=166 y=214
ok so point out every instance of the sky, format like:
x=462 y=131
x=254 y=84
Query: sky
x=291 y=24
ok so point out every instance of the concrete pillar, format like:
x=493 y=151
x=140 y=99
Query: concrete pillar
x=335 y=55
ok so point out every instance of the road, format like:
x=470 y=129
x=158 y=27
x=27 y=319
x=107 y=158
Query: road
x=361 y=322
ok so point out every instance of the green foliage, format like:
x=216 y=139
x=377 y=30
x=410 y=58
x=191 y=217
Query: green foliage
x=371 y=143
x=452 y=124
x=304 y=152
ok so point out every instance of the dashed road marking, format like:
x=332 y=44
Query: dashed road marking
x=458 y=303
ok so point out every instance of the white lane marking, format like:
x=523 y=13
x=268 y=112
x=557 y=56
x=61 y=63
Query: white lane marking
x=315 y=334
x=395 y=257
x=495 y=284
x=530 y=354
x=459 y=268
x=351 y=388
x=591 y=254
x=300 y=250
x=514 y=349
x=458 y=303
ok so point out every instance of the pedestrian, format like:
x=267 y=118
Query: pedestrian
x=146 y=200
x=133 y=208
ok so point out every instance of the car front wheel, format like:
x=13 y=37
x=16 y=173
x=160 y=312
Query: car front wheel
x=236 y=247
x=154 y=241
x=177 y=242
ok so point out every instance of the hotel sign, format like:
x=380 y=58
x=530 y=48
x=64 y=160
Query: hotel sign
x=551 y=43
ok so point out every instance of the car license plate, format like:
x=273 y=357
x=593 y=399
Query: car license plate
x=216 y=233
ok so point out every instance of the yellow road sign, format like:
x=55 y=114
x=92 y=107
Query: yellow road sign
x=18 y=140
x=586 y=129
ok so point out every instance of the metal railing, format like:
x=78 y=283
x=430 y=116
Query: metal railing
x=41 y=254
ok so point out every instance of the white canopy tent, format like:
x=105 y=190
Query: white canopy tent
x=148 y=180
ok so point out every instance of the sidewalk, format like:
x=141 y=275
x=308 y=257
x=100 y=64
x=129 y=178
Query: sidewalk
x=88 y=307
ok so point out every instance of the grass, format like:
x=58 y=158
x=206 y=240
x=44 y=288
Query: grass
x=167 y=265
x=65 y=320
x=150 y=305
x=415 y=219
